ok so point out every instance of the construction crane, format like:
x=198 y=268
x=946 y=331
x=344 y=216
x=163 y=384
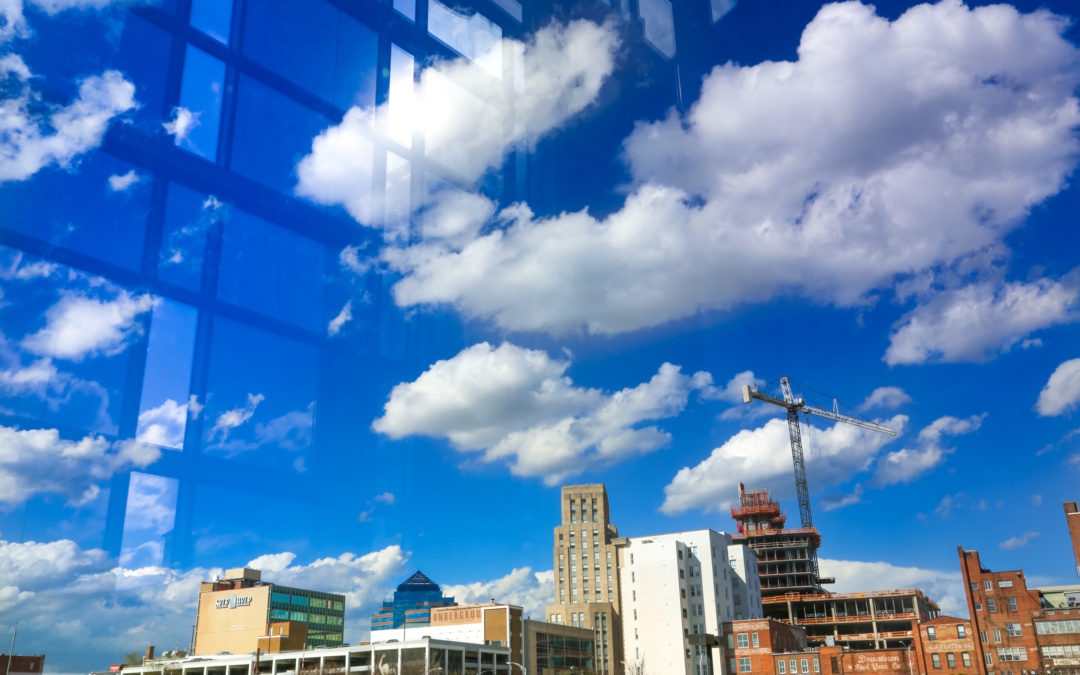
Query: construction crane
x=794 y=406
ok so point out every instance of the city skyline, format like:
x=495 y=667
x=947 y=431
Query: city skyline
x=347 y=289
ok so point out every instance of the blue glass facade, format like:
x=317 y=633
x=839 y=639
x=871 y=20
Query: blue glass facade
x=411 y=604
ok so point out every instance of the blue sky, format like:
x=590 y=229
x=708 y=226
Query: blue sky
x=344 y=322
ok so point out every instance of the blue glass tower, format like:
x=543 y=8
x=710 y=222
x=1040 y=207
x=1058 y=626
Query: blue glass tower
x=411 y=605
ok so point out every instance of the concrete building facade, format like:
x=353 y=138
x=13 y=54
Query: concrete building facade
x=679 y=585
x=239 y=610
x=585 y=561
x=860 y=621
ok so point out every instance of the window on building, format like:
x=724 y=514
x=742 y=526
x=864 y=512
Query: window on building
x=988 y=585
x=1012 y=654
x=982 y=637
x=1012 y=604
x=991 y=606
x=978 y=606
x=974 y=586
x=805 y=664
x=997 y=635
x=754 y=640
x=743 y=640
x=935 y=660
x=950 y=659
x=817 y=666
x=1013 y=629
x=961 y=631
x=1057 y=627
x=744 y=664
x=781 y=667
x=931 y=634
x=965 y=658
x=988 y=658
x=1004 y=583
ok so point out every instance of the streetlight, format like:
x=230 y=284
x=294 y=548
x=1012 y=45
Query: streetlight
x=523 y=671
x=11 y=652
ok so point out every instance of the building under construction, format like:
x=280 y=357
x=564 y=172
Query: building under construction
x=791 y=586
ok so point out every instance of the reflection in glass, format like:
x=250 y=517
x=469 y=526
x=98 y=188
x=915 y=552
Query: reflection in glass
x=659 y=25
x=189 y=216
x=721 y=7
x=98 y=208
x=200 y=95
x=402 y=96
x=447 y=142
x=148 y=523
x=272 y=133
x=407 y=8
x=268 y=269
x=213 y=17
x=472 y=35
x=315 y=45
x=260 y=397
x=398 y=192
x=512 y=7
x=170 y=350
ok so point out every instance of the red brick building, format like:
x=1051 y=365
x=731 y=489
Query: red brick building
x=753 y=645
x=945 y=645
x=1072 y=519
x=22 y=664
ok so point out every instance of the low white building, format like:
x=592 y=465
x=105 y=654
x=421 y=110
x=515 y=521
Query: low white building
x=681 y=584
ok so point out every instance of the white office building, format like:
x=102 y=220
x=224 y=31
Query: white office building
x=681 y=584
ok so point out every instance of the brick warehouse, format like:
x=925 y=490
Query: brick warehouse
x=1021 y=631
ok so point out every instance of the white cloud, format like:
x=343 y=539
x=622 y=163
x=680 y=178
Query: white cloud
x=839 y=501
x=1062 y=390
x=233 y=418
x=887 y=398
x=530 y=590
x=948 y=503
x=343 y=317
x=38 y=461
x=153 y=604
x=762 y=458
x=943 y=127
x=944 y=588
x=385 y=498
x=974 y=322
x=163 y=425
x=32 y=139
x=1036 y=500
x=122 y=182
x=462 y=113
x=517 y=405
x=17 y=270
x=79 y=325
x=1021 y=541
x=907 y=464
x=181 y=124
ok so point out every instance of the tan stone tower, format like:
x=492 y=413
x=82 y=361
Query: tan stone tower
x=587 y=572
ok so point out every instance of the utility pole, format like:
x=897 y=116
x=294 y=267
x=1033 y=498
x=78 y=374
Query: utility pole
x=11 y=652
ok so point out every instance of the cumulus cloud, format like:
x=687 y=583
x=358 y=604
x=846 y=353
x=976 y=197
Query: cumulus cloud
x=523 y=587
x=907 y=464
x=839 y=501
x=885 y=398
x=762 y=458
x=943 y=127
x=80 y=325
x=154 y=604
x=944 y=588
x=123 y=181
x=34 y=136
x=1021 y=541
x=1062 y=390
x=517 y=405
x=15 y=268
x=463 y=114
x=163 y=425
x=38 y=461
x=182 y=123
x=975 y=322
x=363 y=579
x=343 y=317
x=235 y=417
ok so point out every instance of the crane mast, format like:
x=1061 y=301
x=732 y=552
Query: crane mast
x=794 y=406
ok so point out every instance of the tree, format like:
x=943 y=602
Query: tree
x=132 y=659
x=636 y=667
